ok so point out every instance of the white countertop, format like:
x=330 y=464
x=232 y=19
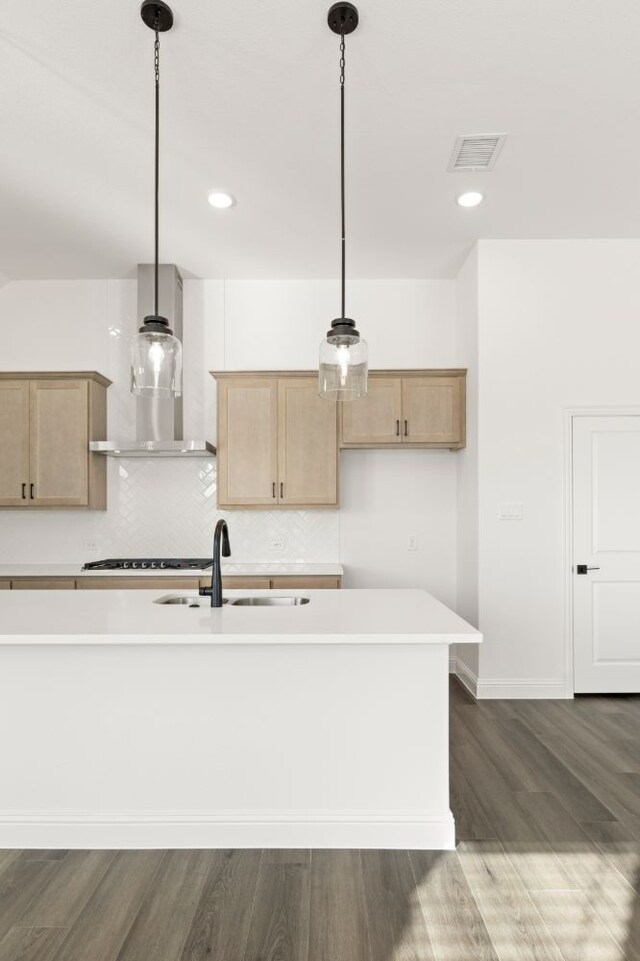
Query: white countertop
x=130 y=617
x=263 y=569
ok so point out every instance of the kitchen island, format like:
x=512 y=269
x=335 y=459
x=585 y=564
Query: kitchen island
x=130 y=723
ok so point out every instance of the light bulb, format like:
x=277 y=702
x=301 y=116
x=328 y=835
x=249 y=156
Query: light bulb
x=156 y=356
x=343 y=363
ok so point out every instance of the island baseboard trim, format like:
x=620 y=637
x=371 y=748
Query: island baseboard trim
x=153 y=830
x=466 y=677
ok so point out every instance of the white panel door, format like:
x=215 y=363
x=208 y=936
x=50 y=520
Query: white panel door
x=606 y=541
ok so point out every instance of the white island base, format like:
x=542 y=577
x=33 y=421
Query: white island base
x=161 y=727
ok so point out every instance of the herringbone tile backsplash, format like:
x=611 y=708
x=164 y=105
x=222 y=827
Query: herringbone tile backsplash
x=167 y=507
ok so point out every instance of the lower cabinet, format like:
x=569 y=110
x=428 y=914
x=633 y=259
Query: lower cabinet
x=241 y=583
x=281 y=583
x=302 y=583
x=43 y=584
x=97 y=583
x=137 y=583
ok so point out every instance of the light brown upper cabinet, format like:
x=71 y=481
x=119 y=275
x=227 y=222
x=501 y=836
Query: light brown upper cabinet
x=46 y=423
x=277 y=442
x=408 y=408
x=307 y=444
x=376 y=418
x=14 y=443
x=247 y=446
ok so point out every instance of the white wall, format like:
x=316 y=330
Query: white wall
x=54 y=325
x=467 y=460
x=168 y=507
x=388 y=496
x=559 y=326
x=276 y=324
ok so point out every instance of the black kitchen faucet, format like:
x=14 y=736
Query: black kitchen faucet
x=220 y=539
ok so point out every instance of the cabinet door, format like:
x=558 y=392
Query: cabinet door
x=5 y=584
x=247 y=442
x=14 y=443
x=307 y=444
x=311 y=581
x=59 y=443
x=376 y=418
x=432 y=410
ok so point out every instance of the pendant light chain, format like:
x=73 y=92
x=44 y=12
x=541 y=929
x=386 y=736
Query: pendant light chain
x=342 y=65
x=156 y=63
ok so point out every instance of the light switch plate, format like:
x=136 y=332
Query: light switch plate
x=510 y=511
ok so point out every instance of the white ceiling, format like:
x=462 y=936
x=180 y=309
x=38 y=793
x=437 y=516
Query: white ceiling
x=250 y=104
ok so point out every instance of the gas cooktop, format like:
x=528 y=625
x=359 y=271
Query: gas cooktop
x=149 y=564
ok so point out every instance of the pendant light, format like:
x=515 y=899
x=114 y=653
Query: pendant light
x=156 y=365
x=343 y=353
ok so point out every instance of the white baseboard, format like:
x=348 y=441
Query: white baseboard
x=130 y=830
x=508 y=688
x=467 y=677
x=515 y=688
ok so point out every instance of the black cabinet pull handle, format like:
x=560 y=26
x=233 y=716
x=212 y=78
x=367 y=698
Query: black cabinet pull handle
x=273 y=489
x=24 y=492
x=31 y=491
x=397 y=428
x=406 y=428
x=281 y=489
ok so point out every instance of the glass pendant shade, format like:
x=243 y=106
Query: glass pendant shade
x=156 y=364
x=344 y=364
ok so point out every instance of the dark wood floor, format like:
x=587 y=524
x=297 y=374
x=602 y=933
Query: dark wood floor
x=546 y=796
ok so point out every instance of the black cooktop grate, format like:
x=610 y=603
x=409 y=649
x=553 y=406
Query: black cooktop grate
x=149 y=564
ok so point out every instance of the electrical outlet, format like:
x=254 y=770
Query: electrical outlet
x=89 y=546
x=412 y=542
x=277 y=544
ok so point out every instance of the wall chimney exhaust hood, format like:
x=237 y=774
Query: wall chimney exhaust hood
x=159 y=430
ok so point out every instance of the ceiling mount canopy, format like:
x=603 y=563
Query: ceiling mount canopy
x=343 y=18
x=156 y=362
x=157 y=15
x=344 y=354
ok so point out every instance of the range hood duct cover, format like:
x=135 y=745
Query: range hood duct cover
x=159 y=425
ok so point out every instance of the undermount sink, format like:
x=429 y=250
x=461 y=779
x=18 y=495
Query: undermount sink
x=186 y=600
x=268 y=601
x=195 y=600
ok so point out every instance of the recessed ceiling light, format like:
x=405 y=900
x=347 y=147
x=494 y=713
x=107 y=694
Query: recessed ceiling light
x=471 y=199
x=221 y=200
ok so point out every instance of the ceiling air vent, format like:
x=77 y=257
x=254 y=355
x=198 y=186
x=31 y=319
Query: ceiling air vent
x=476 y=152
